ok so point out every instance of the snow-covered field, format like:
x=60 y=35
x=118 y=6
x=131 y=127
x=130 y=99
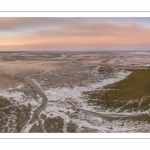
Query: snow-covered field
x=18 y=97
x=67 y=102
x=18 y=100
x=59 y=78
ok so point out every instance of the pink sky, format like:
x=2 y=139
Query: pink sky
x=74 y=34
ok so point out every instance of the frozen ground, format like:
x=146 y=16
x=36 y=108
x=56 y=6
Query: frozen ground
x=65 y=78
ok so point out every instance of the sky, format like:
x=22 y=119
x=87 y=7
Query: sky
x=75 y=34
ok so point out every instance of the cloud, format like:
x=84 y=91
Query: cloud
x=66 y=33
x=17 y=23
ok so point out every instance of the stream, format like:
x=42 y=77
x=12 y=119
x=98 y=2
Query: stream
x=37 y=111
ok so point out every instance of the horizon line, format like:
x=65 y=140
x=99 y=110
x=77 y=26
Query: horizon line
x=74 y=51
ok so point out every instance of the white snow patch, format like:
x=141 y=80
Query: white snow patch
x=27 y=128
x=147 y=65
x=20 y=86
x=75 y=94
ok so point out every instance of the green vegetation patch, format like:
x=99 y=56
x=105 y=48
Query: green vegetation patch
x=131 y=94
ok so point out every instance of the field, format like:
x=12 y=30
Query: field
x=77 y=92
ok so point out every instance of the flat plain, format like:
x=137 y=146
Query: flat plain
x=74 y=92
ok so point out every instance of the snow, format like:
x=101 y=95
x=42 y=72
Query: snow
x=87 y=116
x=75 y=94
x=27 y=128
x=65 y=101
x=147 y=65
x=20 y=86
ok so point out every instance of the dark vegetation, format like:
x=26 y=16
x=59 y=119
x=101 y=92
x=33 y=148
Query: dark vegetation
x=54 y=125
x=132 y=93
x=18 y=117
